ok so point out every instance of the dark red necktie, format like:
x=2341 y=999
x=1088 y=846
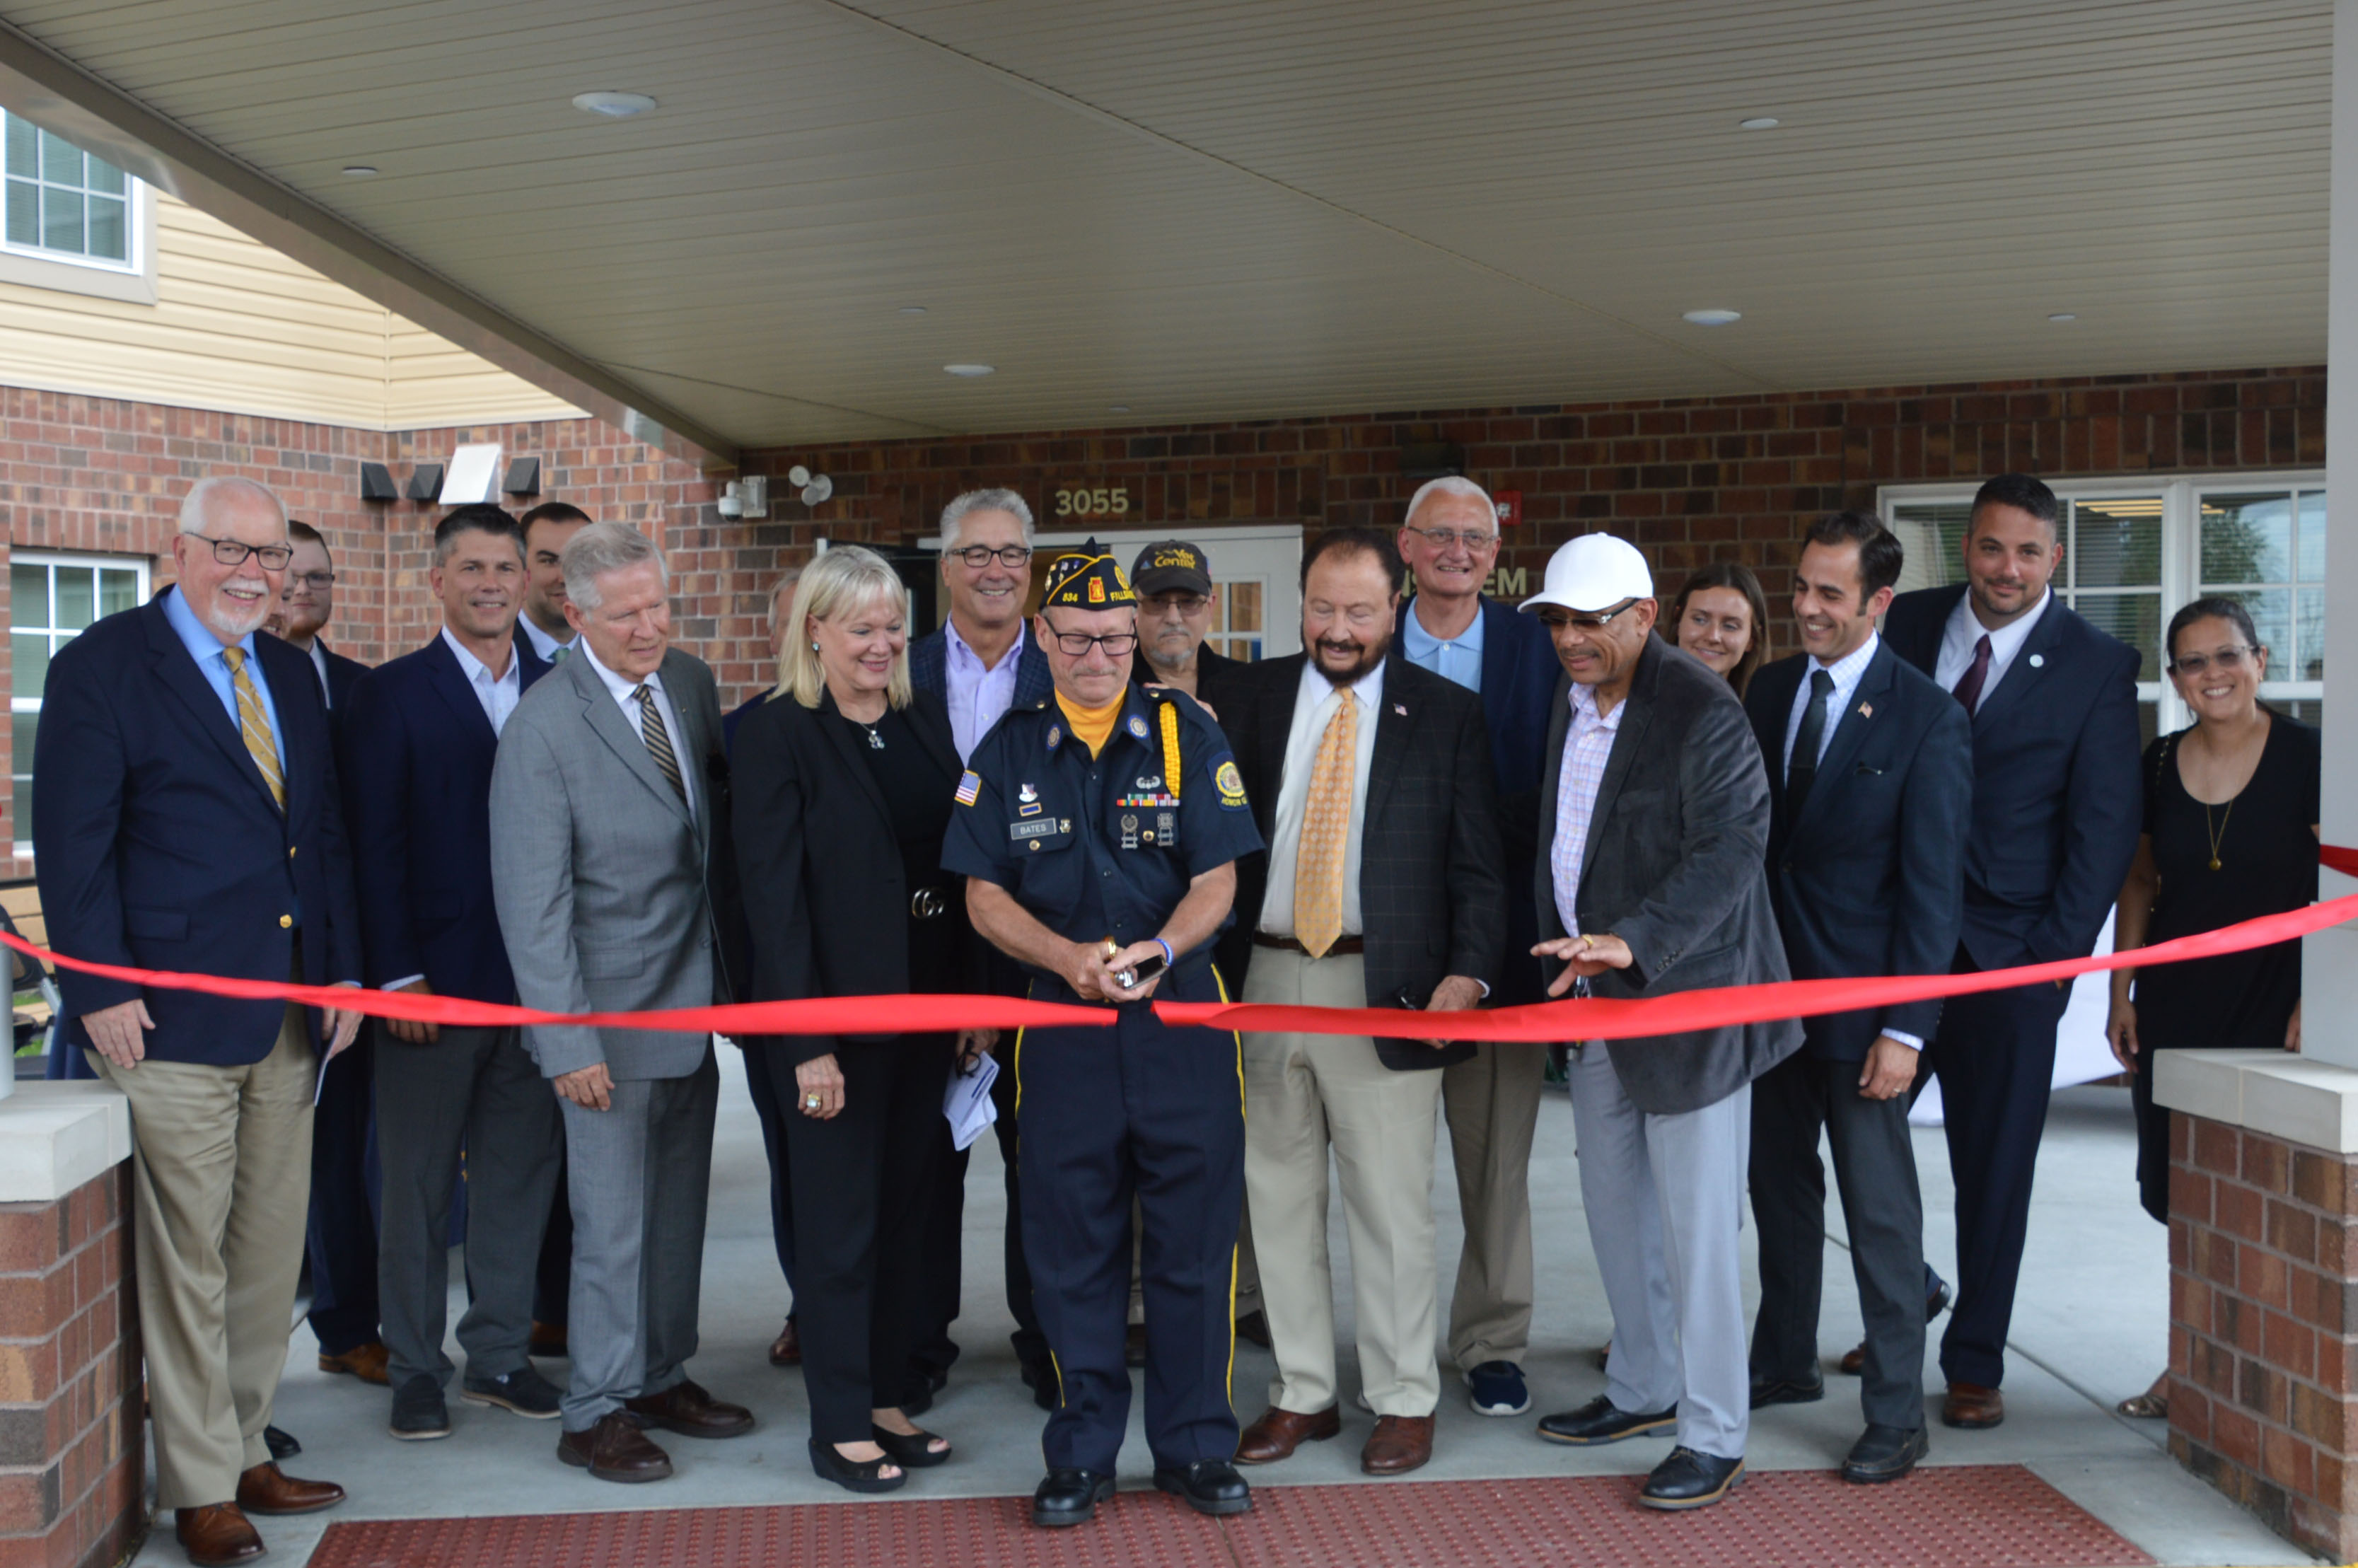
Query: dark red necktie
x=1969 y=686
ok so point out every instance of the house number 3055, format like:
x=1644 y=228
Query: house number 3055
x=1104 y=502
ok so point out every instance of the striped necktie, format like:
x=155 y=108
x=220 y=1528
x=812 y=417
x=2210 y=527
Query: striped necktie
x=1318 y=858
x=658 y=740
x=254 y=726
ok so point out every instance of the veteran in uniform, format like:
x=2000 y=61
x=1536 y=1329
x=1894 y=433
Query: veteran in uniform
x=1098 y=831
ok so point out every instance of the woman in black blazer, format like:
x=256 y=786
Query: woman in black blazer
x=844 y=783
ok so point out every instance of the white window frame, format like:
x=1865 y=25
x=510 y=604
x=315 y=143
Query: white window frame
x=132 y=280
x=2182 y=539
x=142 y=565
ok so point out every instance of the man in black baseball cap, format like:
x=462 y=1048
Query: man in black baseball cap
x=1177 y=606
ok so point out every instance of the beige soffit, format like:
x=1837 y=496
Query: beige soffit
x=1218 y=209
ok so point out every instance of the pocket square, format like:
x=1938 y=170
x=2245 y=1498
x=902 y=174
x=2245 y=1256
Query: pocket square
x=1866 y=771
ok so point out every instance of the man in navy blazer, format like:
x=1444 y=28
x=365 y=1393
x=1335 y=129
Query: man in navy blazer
x=2056 y=813
x=305 y=609
x=982 y=662
x=418 y=746
x=185 y=817
x=1870 y=783
x=1450 y=540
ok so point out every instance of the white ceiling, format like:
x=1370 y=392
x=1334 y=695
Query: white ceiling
x=1236 y=209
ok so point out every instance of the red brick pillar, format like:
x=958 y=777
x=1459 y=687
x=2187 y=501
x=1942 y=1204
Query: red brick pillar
x=72 y=1447
x=2264 y=1316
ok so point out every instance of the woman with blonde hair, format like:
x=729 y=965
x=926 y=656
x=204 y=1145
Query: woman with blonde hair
x=844 y=783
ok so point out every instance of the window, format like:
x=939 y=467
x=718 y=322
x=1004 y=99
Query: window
x=2135 y=553
x=52 y=599
x=64 y=204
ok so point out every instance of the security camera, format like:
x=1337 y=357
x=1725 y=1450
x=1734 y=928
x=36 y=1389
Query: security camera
x=730 y=506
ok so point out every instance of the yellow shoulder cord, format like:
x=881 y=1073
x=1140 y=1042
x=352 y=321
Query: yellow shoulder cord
x=1171 y=748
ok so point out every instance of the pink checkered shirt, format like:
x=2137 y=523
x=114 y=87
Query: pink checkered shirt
x=1587 y=743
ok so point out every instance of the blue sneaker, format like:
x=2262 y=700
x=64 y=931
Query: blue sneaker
x=1497 y=1388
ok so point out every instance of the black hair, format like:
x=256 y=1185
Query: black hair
x=1880 y=554
x=475 y=517
x=2023 y=494
x=2215 y=606
x=1371 y=541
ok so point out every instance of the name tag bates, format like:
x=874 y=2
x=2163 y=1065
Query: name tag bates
x=1051 y=831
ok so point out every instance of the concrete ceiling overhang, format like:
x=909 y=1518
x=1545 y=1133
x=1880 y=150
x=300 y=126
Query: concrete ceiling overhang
x=1239 y=208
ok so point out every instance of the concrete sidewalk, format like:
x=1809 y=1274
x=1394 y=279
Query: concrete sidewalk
x=2090 y=1329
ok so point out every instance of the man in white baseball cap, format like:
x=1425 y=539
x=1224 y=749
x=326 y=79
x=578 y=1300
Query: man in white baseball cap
x=1653 y=881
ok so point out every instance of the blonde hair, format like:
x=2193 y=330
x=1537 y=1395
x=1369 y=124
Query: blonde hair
x=845 y=577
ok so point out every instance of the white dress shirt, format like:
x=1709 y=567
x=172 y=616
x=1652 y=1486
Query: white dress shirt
x=622 y=690
x=1965 y=629
x=544 y=646
x=318 y=652
x=498 y=693
x=1315 y=704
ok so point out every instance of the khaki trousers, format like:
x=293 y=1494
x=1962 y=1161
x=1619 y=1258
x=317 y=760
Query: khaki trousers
x=1303 y=1095
x=220 y=1176
x=1492 y=1104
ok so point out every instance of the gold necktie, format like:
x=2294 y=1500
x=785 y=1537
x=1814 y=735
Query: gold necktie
x=1326 y=832
x=254 y=726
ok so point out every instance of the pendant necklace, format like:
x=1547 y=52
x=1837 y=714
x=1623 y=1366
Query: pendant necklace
x=876 y=744
x=2219 y=832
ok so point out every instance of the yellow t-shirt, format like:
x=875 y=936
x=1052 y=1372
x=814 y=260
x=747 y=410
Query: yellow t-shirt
x=1092 y=726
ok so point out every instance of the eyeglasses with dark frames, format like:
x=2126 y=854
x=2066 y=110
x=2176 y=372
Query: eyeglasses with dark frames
x=1076 y=644
x=978 y=557
x=312 y=579
x=233 y=553
x=1557 y=619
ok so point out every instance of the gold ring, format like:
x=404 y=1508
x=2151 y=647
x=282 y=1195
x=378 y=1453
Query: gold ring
x=811 y=1100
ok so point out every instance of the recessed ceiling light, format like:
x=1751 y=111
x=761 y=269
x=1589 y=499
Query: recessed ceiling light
x=1714 y=318
x=969 y=371
x=360 y=170
x=1118 y=408
x=1759 y=123
x=2061 y=316
x=613 y=106
x=913 y=309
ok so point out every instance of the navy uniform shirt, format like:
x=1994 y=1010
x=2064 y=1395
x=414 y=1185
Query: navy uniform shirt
x=1100 y=847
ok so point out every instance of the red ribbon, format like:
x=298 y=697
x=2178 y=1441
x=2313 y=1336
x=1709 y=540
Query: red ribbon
x=1589 y=1018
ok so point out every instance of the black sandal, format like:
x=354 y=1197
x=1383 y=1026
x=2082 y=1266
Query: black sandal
x=909 y=1450
x=853 y=1475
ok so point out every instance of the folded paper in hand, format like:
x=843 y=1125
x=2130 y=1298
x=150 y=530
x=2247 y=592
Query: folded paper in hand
x=966 y=1101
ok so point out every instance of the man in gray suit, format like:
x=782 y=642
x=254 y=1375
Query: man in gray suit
x=1655 y=818
x=607 y=801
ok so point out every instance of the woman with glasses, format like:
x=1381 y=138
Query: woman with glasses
x=844 y=783
x=1722 y=618
x=2231 y=816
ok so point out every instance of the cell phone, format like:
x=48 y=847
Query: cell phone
x=1138 y=974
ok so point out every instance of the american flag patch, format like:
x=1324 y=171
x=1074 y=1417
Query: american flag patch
x=969 y=785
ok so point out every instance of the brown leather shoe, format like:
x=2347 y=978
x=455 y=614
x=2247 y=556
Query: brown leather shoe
x=1278 y=1433
x=266 y=1489
x=1400 y=1444
x=366 y=1362
x=1254 y=1326
x=1971 y=1406
x=216 y=1535
x=786 y=1349
x=615 y=1450
x=1854 y=1361
x=547 y=1339
x=687 y=1410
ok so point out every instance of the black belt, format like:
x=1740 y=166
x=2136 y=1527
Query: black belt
x=1342 y=945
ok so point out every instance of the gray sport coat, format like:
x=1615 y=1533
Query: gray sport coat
x=1676 y=867
x=599 y=872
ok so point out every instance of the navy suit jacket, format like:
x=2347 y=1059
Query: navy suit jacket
x=736 y=716
x=1868 y=880
x=2057 y=798
x=929 y=669
x=158 y=845
x=417 y=749
x=341 y=673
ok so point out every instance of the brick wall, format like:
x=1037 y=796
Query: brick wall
x=73 y=1454
x=2263 y=1316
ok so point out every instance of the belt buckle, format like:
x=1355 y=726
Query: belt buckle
x=927 y=903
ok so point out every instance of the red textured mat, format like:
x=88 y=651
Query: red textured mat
x=1996 y=1516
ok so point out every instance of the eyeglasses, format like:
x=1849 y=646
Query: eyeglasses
x=2229 y=660
x=1441 y=538
x=1557 y=619
x=310 y=579
x=1076 y=644
x=980 y=556
x=231 y=553
x=1185 y=603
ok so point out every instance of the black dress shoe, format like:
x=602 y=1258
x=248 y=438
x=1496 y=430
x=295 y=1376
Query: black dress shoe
x=1688 y=1479
x=1885 y=1454
x=1600 y=1420
x=282 y=1444
x=1069 y=1497
x=1766 y=1391
x=1208 y=1486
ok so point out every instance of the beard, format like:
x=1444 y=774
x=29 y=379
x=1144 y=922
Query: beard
x=1330 y=656
x=224 y=621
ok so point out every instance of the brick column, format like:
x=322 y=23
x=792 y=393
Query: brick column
x=72 y=1445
